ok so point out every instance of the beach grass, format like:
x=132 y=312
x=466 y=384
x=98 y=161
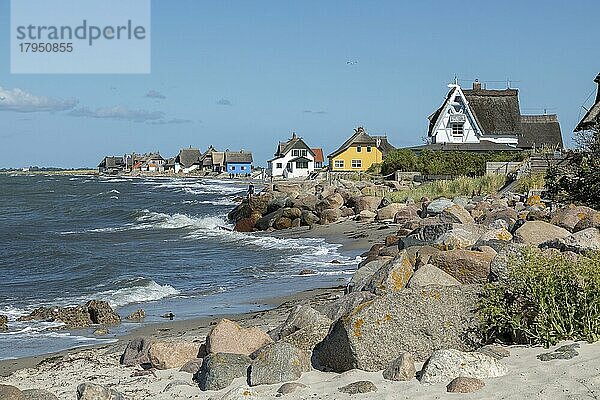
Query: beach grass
x=463 y=186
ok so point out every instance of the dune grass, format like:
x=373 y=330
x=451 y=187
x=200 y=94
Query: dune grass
x=530 y=182
x=463 y=186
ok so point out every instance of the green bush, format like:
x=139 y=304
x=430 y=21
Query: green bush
x=545 y=299
x=455 y=163
x=463 y=186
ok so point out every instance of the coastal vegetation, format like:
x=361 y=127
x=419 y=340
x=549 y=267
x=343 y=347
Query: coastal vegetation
x=544 y=300
x=463 y=186
x=453 y=163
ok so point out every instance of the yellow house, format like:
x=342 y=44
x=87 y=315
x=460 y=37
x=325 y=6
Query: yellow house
x=359 y=152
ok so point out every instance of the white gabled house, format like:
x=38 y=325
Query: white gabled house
x=293 y=159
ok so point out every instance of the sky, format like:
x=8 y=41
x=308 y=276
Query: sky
x=246 y=74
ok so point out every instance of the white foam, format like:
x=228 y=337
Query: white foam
x=151 y=291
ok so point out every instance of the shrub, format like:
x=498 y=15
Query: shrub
x=463 y=186
x=530 y=182
x=545 y=299
x=455 y=163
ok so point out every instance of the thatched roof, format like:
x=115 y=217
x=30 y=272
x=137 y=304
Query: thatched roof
x=592 y=118
x=540 y=131
x=188 y=157
x=497 y=111
x=111 y=162
x=361 y=137
x=242 y=157
x=295 y=142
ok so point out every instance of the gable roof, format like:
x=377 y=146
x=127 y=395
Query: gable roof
x=295 y=142
x=592 y=117
x=360 y=136
x=497 y=111
x=318 y=152
x=111 y=162
x=188 y=157
x=242 y=157
x=540 y=131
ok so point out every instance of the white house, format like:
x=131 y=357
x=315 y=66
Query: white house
x=293 y=159
x=188 y=160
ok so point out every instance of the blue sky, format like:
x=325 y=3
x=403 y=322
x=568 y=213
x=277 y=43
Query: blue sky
x=240 y=74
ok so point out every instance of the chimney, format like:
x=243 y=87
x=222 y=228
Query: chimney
x=293 y=135
x=476 y=85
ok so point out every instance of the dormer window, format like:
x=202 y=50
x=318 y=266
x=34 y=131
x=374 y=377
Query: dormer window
x=457 y=129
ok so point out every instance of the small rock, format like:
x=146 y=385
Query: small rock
x=101 y=332
x=565 y=352
x=359 y=387
x=38 y=394
x=240 y=393
x=308 y=272
x=493 y=350
x=465 y=385
x=401 y=369
x=8 y=392
x=168 y=315
x=92 y=391
x=136 y=352
x=137 y=315
x=192 y=366
x=290 y=387
x=445 y=365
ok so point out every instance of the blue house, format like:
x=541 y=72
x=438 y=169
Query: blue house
x=238 y=162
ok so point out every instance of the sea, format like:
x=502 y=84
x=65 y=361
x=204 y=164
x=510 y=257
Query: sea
x=161 y=244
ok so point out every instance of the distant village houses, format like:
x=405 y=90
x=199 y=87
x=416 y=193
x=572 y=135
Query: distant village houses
x=294 y=159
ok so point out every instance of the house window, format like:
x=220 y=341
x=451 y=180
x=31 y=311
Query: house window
x=356 y=163
x=457 y=129
x=299 y=153
x=358 y=149
x=338 y=163
x=302 y=164
x=368 y=149
x=279 y=165
x=233 y=167
x=243 y=168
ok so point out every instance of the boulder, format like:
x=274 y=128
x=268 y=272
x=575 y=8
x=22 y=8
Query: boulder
x=499 y=265
x=592 y=221
x=167 y=355
x=466 y=266
x=430 y=275
x=72 y=317
x=92 y=391
x=278 y=362
x=309 y=218
x=578 y=242
x=426 y=235
x=256 y=205
x=8 y=392
x=101 y=313
x=329 y=216
x=366 y=203
x=457 y=238
x=3 y=322
x=282 y=223
x=363 y=275
x=291 y=213
x=359 y=387
x=192 y=366
x=437 y=206
x=366 y=215
x=220 y=369
x=445 y=365
x=305 y=202
x=346 y=211
x=508 y=215
x=463 y=384
x=415 y=320
x=290 y=387
x=331 y=202
x=247 y=224
x=344 y=305
x=136 y=316
x=137 y=352
x=38 y=394
x=569 y=216
x=229 y=337
x=456 y=214
x=389 y=212
x=391 y=276
x=420 y=255
x=268 y=220
x=495 y=351
x=407 y=214
x=299 y=318
x=496 y=234
x=288 y=188
x=538 y=232
x=401 y=369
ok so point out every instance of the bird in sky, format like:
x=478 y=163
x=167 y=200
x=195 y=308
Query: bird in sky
x=351 y=62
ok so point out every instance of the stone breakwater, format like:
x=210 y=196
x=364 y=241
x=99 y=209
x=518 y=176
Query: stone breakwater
x=413 y=298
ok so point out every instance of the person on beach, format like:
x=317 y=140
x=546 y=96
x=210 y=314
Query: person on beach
x=250 y=190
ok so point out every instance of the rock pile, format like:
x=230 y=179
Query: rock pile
x=93 y=312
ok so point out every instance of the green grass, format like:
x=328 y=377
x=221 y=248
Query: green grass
x=546 y=299
x=530 y=182
x=487 y=184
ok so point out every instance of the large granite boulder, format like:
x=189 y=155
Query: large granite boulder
x=101 y=313
x=406 y=215
x=38 y=394
x=268 y=220
x=460 y=237
x=578 y=242
x=466 y=266
x=278 y=362
x=499 y=267
x=592 y=221
x=306 y=202
x=569 y=216
x=537 y=232
x=345 y=304
x=167 y=355
x=304 y=328
x=437 y=206
x=366 y=203
x=425 y=235
x=445 y=365
x=220 y=369
x=229 y=337
x=362 y=276
x=330 y=215
x=333 y=201
x=418 y=321
x=256 y=205
x=456 y=214
x=388 y=212
x=392 y=276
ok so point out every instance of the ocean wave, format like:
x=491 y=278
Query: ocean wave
x=147 y=291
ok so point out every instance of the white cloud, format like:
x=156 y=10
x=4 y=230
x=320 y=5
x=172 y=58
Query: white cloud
x=21 y=101
x=153 y=94
x=224 y=102
x=119 y=113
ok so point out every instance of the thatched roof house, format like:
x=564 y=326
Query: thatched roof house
x=592 y=118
